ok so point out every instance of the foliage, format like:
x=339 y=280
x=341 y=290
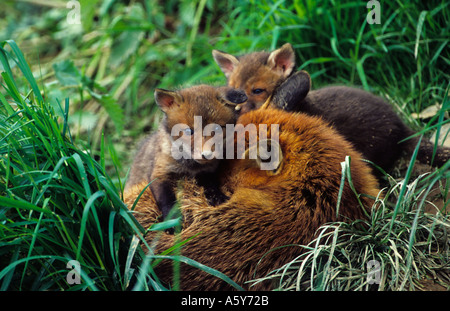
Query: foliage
x=57 y=204
x=392 y=250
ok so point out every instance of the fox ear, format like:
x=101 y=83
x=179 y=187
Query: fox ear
x=166 y=99
x=226 y=62
x=282 y=60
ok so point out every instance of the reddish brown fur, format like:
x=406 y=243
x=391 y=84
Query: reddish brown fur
x=266 y=210
x=365 y=120
x=154 y=155
x=258 y=74
x=154 y=161
x=254 y=73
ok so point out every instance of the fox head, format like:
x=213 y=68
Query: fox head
x=258 y=74
x=308 y=156
x=195 y=118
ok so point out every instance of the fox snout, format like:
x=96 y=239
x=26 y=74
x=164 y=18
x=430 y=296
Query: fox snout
x=236 y=96
x=207 y=154
x=249 y=106
x=204 y=151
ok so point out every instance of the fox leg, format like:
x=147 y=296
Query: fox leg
x=211 y=188
x=164 y=195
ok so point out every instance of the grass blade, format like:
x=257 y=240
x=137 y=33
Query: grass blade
x=419 y=28
x=202 y=267
x=84 y=219
x=22 y=64
x=404 y=187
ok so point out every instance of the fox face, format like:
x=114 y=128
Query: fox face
x=196 y=118
x=257 y=74
x=302 y=158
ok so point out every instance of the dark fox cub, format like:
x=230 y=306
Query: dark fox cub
x=366 y=120
x=162 y=162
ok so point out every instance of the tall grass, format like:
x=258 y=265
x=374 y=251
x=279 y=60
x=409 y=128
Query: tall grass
x=58 y=204
x=396 y=248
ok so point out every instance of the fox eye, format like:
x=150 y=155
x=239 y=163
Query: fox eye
x=257 y=91
x=188 y=131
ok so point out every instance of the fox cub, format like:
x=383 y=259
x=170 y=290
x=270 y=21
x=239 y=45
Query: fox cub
x=155 y=161
x=366 y=120
x=246 y=237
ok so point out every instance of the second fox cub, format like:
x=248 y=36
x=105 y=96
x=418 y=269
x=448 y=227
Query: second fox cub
x=154 y=161
x=364 y=119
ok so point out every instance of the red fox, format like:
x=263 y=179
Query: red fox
x=155 y=160
x=367 y=121
x=270 y=212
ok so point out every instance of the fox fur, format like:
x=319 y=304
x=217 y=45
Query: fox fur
x=154 y=162
x=365 y=120
x=244 y=237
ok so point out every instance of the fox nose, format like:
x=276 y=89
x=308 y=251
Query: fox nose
x=236 y=96
x=207 y=155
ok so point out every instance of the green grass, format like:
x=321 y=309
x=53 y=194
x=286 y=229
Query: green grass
x=407 y=244
x=58 y=204
x=76 y=99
